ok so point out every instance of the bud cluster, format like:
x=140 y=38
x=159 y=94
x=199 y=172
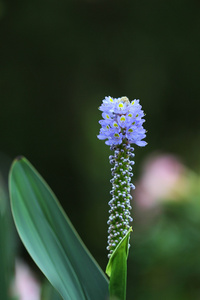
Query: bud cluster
x=120 y=206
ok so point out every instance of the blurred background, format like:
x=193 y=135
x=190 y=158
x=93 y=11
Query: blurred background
x=58 y=60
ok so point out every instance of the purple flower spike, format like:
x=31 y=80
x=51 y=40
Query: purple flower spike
x=122 y=122
x=122 y=125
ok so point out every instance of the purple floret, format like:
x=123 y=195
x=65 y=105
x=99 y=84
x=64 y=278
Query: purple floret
x=122 y=122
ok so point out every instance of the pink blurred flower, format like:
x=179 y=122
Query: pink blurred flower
x=162 y=178
x=25 y=285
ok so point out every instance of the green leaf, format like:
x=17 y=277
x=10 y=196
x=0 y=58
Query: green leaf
x=50 y=238
x=117 y=269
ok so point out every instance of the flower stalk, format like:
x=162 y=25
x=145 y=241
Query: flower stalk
x=121 y=126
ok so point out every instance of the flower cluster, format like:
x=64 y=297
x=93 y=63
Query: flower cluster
x=122 y=121
x=122 y=125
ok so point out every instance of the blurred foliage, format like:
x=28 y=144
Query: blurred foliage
x=165 y=256
x=49 y=293
x=8 y=243
x=4 y=234
x=59 y=59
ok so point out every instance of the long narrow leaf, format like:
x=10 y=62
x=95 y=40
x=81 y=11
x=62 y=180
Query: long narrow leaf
x=50 y=238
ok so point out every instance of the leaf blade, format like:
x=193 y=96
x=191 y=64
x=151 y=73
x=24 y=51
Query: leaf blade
x=54 y=244
x=117 y=269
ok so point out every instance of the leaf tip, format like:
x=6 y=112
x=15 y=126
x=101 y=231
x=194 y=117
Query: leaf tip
x=19 y=157
x=16 y=160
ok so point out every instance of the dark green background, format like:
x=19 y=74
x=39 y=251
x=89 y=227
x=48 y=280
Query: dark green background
x=59 y=59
